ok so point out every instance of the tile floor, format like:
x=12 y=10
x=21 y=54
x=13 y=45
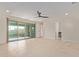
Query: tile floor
x=40 y=47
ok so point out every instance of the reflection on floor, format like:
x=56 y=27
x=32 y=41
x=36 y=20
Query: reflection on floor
x=39 y=47
x=19 y=38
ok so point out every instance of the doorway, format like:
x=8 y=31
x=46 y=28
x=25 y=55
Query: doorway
x=20 y=30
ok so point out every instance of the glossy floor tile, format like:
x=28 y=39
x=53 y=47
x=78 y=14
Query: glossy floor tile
x=40 y=47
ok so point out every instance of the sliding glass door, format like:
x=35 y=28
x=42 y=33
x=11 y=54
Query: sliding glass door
x=12 y=30
x=20 y=30
x=27 y=34
x=32 y=30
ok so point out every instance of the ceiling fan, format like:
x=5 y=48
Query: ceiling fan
x=41 y=16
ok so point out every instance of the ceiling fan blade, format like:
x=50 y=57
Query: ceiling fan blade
x=39 y=13
x=44 y=16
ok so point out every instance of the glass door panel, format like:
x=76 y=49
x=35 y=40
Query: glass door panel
x=32 y=30
x=21 y=31
x=27 y=35
x=12 y=30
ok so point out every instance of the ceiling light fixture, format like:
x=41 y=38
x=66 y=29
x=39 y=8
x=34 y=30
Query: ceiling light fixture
x=66 y=14
x=7 y=11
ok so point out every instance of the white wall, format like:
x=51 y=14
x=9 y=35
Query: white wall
x=67 y=25
x=49 y=29
x=3 y=27
x=39 y=30
x=70 y=29
x=38 y=34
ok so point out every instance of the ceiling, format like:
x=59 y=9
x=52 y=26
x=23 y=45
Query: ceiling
x=28 y=10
